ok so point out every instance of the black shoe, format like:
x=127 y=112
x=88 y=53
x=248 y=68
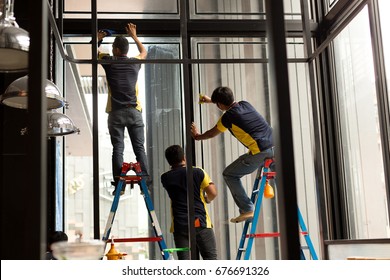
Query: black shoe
x=122 y=191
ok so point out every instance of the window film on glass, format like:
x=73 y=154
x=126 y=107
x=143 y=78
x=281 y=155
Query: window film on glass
x=239 y=9
x=249 y=81
x=123 y=9
x=360 y=142
x=160 y=96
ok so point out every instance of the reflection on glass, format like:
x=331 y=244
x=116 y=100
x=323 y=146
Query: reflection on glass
x=250 y=82
x=239 y=9
x=242 y=48
x=361 y=147
x=121 y=9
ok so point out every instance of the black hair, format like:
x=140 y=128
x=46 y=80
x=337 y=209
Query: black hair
x=58 y=236
x=223 y=95
x=174 y=155
x=122 y=44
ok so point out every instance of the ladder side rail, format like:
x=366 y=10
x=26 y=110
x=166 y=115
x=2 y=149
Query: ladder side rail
x=256 y=214
x=246 y=225
x=121 y=184
x=112 y=213
x=306 y=236
x=153 y=218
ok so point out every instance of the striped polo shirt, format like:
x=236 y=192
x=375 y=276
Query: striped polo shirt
x=248 y=126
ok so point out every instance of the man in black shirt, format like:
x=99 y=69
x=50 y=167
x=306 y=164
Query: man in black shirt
x=123 y=107
x=175 y=183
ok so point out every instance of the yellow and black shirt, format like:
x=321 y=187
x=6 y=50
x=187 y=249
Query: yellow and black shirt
x=122 y=83
x=248 y=126
x=175 y=183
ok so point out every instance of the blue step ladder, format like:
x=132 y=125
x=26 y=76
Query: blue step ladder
x=263 y=175
x=132 y=179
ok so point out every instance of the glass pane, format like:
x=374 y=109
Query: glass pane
x=231 y=9
x=250 y=82
x=160 y=97
x=361 y=145
x=239 y=9
x=122 y=9
x=243 y=48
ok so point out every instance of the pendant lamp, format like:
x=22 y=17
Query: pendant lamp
x=14 y=42
x=16 y=95
x=59 y=124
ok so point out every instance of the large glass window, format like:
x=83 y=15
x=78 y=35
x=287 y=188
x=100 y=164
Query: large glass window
x=360 y=141
x=160 y=97
x=249 y=82
x=199 y=9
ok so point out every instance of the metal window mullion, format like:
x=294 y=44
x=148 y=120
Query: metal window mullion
x=95 y=123
x=184 y=16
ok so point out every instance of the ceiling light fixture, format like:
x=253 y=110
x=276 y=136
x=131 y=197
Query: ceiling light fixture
x=59 y=124
x=14 y=41
x=16 y=95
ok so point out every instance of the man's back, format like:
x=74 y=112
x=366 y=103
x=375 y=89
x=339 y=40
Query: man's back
x=122 y=82
x=248 y=126
x=175 y=182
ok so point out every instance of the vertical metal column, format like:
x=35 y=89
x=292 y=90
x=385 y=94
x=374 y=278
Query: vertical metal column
x=35 y=188
x=95 y=125
x=281 y=122
x=184 y=14
x=318 y=152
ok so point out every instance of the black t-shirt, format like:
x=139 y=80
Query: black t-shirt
x=175 y=182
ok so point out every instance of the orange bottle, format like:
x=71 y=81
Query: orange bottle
x=269 y=190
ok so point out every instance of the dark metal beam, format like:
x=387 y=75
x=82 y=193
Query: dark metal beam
x=184 y=14
x=282 y=125
x=35 y=186
x=95 y=123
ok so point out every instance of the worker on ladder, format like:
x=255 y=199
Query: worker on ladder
x=123 y=105
x=175 y=183
x=252 y=130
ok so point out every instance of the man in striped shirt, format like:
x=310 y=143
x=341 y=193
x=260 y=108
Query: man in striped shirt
x=252 y=130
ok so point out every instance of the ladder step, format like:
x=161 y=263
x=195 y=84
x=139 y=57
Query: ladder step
x=137 y=239
x=262 y=235
x=131 y=179
x=270 y=174
x=269 y=234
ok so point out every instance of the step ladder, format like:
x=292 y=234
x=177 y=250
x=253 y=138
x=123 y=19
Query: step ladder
x=132 y=179
x=263 y=175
